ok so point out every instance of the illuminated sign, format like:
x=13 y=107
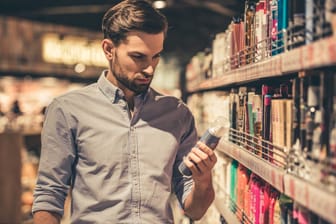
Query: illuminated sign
x=72 y=50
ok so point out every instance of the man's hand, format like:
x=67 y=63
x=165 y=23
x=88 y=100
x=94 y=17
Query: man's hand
x=200 y=161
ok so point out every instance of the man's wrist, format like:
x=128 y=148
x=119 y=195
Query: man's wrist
x=44 y=217
x=204 y=185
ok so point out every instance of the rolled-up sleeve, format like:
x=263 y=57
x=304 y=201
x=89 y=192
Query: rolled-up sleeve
x=182 y=184
x=56 y=161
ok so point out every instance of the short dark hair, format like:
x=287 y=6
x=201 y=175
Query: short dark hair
x=132 y=15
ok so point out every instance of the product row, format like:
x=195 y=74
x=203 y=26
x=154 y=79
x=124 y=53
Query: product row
x=265 y=29
x=253 y=200
x=23 y=101
x=288 y=123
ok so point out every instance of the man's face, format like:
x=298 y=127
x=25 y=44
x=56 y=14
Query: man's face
x=135 y=59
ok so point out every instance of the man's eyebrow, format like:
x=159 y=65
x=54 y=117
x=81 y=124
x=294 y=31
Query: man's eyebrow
x=143 y=54
x=136 y=52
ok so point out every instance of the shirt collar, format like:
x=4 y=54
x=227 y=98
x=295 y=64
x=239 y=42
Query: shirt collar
x=114 y=93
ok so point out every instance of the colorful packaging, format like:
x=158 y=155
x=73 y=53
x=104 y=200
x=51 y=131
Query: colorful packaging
x=233 y=186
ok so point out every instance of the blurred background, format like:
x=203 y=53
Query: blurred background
x=50 y=47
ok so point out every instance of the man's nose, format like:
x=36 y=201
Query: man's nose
x=149 y=69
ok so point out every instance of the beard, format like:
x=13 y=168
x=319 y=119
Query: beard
x=119 y=74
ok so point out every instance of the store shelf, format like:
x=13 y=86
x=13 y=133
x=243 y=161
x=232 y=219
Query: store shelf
x=262 y=160
x=31 y=132
x=222 y=207
x=265 y=170
x=315 y=198
x=320 y=53
x=317 y=54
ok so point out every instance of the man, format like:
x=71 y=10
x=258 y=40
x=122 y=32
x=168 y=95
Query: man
x=116 y=144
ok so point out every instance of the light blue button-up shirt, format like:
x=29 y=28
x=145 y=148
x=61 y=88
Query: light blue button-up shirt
x=122 y=168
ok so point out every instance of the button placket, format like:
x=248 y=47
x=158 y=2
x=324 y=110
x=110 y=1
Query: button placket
x=123 y=104
x=134 y=175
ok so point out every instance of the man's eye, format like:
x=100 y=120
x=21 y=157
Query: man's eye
x=137 y=57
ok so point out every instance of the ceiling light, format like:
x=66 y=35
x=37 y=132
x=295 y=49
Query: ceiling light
x=159 y=4
x=79 y=68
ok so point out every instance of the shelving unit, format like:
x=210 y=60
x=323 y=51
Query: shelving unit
x=317 y=55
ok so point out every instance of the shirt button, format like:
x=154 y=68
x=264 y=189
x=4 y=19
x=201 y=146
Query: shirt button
x=122 y=103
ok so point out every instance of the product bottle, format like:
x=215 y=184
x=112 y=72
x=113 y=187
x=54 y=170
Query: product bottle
x=233 y=114
x=258 y=125
x=211 y=138
x=313 y=98
x=250 y=14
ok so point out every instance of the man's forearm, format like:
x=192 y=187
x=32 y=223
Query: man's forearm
x=45 y=217
x=199 y=200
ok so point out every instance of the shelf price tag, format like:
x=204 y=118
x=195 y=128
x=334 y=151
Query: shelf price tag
x=291 y=60
x=252 y=73
x=229 y=149
x=277 y=179
x=226 y=79
x=322 y=202
x=318 y=54
x=261 y=71
x=331 y=45
x=231 y=79
x=240 y=74
x=324 y=52
x=276 y=65
x=205 y=84
x=313 y=197
x=308 y=56
x=267 y=68
x=270 y=174
x=296 y=189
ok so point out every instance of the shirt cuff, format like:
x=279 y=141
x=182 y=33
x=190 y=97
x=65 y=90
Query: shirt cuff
x=48 y=203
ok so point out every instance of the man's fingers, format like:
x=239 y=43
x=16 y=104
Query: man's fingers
x=191 y=164
x=200 y=159
x=204 y=148
x=204 y=152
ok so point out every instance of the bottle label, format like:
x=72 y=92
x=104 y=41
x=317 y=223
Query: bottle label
x=210 y=140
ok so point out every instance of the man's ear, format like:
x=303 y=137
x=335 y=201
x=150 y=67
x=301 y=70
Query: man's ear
x=108 y=48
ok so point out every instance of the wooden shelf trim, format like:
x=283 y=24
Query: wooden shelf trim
x=317 y=54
